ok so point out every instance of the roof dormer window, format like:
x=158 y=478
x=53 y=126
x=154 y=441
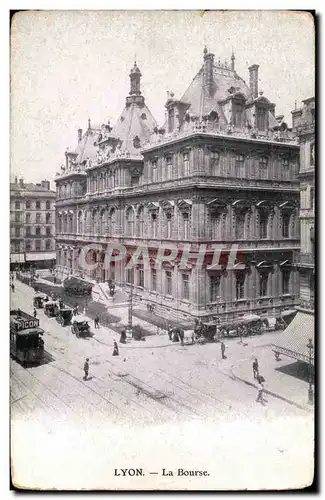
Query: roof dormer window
x=261 y=119
x=171 y=119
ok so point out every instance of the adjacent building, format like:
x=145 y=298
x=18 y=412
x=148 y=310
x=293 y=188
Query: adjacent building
x=32 y=224
x=223 y=169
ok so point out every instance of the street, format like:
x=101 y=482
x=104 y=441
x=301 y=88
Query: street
x=146 y=385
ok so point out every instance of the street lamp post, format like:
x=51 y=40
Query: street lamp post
x=310 y=388
x=130 y=310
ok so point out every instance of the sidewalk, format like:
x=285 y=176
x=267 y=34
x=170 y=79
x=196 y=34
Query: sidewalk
x=278 y=382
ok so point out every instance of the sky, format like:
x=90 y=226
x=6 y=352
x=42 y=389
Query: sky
x=68 y=66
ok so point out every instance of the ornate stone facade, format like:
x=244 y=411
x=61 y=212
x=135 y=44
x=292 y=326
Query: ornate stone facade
x=221 y=170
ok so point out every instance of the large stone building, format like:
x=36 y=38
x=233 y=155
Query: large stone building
x=303 y=120
x=32 y=224
x=223 y=169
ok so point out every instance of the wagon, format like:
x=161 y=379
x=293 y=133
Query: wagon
x=80 y=328
x=64 y=316
x=51 y=308
x=39 y=299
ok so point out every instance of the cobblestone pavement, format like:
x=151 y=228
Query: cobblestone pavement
x=152 y=383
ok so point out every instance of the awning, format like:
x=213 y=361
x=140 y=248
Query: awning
x=17 y=257
x=288 y=312
x=250 y=317
x=293 y=341
x=40 y=256
x=31 y=331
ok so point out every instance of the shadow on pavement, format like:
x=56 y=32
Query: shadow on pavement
x=298 y=369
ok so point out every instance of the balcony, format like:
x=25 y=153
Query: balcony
x=307 y=259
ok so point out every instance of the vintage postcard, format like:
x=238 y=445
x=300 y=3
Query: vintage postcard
x=162 y=233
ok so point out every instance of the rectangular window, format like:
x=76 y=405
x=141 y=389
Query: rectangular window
x=48 y=231
x=129 y=276
x=38 y=205
x=154 y=225
x=27 y=218
x=17 y=232
x=240 y=285
x=154 y=171
x=263 y=284
x=239 y=162
x=17 y=205
x=186 y=222
x=17 y=247
x=38 y=218
x=38 y=245
x=285 y=225
x=141 y=276
x=38 y=231
x=186 y=164
x=168 y=225
x=311 y=198
x=28 y=231
x=171 y=115
x=215 y=159
x=285 y=162
x=261 y=119
x=28 y=246
x=238 y=115
x=186 y=286
x=17 y=217
x=169 y=167
x=312 y=154
x=263 y=226
x=135 y=180
x=28 y=204
x=168 y=282
x=48 y=218
x=153 y=279
x=263 y=162
x=48 y=205
x=48 y=245
x=285 y=281
x=214 y=288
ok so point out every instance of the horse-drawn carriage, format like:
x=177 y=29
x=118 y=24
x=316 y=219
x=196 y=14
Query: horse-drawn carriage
x=39 y=300
x=248 y=325
x=64 y=316
x=51 y=308
x=80 y=328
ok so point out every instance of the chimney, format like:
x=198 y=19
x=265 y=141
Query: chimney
x=79 y=134
x=45 y=185
x=232 y=62
x=208 y=72
x=21 y=182
x=253 y=80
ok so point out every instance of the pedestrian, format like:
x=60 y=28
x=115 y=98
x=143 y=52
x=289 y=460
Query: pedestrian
x=86 y=368
x=170 y=332
x=115 y=351
x=223 y=349
x=35 y=313
x=19 y=311
x=12 y=287
x=123 y=337
x=255 y=368
x=260 y=390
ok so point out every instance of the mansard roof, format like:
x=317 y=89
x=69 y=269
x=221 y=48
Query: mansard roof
x=86 y=148
x=134 y=126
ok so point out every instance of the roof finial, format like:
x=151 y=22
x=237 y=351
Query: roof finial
x=205 y=50
x=89 y=127
x=295 y=104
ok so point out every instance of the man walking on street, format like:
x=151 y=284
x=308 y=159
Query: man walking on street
x=223 y=350
x=115 y=351
x=86 y=368
x=260 y=390
x=255 y=368
x=12 y=287
x=96 y=321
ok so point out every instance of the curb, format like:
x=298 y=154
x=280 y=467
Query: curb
x=274 y=394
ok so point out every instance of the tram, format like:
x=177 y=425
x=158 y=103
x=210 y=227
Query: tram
x=26 y=344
